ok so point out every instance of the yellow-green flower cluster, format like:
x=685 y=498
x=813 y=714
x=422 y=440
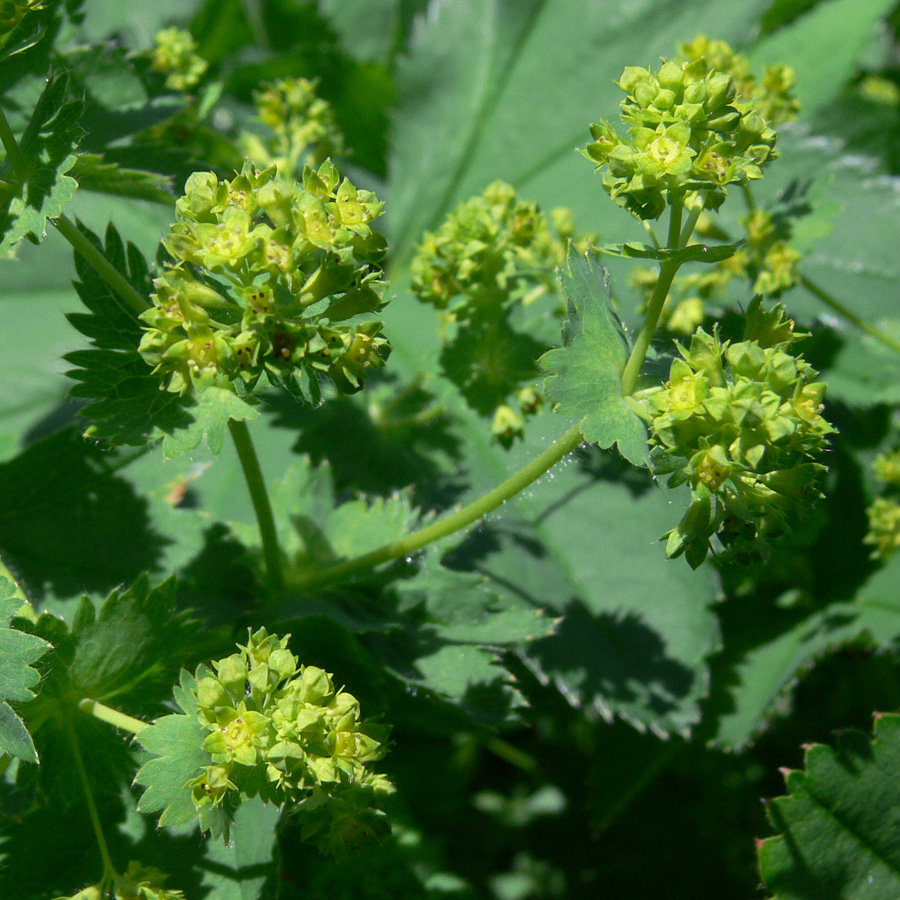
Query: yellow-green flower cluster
x=494 y=254
x=269 y=276
x=884 y=513
x=688 y=130
x=771 y=96
x=884 y=527
x=493 y=251
x=175 y=56
x=741 y=423
x=302 y=125
x=283 y=731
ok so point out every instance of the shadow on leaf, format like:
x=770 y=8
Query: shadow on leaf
x=70 y=524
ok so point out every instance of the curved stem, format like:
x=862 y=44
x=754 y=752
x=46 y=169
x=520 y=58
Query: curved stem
x=260 y=496
x=451 y=524
x=109 y=871
x=111 y=716
x=849 y=315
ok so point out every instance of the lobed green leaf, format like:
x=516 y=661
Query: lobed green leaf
x=586 y=379
x=838 y=824
x=18 y=679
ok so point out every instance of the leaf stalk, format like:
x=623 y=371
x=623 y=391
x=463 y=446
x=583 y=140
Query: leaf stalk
x=451 y=524
x=256 y=484
x=111 y=716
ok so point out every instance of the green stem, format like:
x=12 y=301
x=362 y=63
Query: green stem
x=109 y=871
x=260 y=497
x=11 y=146
x=134 y=302
x=512 y=754
x=691 y=223
x=632 y=370
x=678 y=238
x=111 y=716
x=675 y=213
x=638 y=785
x=851 y=316
x=748 y=197
x=451 y=524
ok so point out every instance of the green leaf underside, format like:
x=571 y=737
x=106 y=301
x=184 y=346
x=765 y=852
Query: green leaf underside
x=839 y=822
x=586 y=383
x=178 y=756
x=18 y=680
x=41 y=189
x=762 y=659
x=691 y=253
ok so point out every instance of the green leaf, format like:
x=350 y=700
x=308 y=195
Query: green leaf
x=238 y=870
x=126 y=653
x=37 y=185
x=456 y=622
x=93 y=174
x=367 y=28
x=18 y=679
x=70 y=522
x=761 y=668
x=586 y=383
x=494 y=90
x=131 y=649
x=211 y=410
x=436 y=628
x=838 y=825
x=691 y=253
x=127 y=404
x=176 y=745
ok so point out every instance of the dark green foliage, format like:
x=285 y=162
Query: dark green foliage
x=572 y=714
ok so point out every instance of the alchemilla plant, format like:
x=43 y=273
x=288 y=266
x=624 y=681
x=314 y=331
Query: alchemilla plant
x=346 y=561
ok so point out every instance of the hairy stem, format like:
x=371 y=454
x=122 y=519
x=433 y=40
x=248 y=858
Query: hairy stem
x=109 y=871
x=632 y=370
x=260 y=496
x=133 y=301
x=849 y=315
x=111 y=716
x=450 y=525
